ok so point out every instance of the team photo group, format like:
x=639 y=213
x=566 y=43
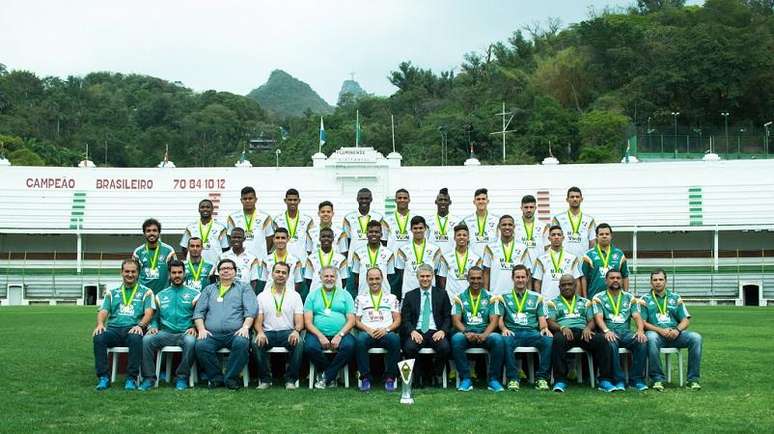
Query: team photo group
x=329 y=290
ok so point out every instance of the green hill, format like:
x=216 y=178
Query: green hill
x=285 y=95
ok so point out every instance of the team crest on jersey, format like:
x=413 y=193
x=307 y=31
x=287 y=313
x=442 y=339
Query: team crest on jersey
x=186 y=296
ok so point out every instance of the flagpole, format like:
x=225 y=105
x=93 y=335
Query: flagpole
x=392 y=121
x=357 y=128
x=322 y=128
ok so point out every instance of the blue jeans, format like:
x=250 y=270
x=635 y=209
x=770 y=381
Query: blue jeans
x=639 y=353
x=689 y=340
x=208 y=358
x=117 y=337
x=494 y=344
x=390 y=342
x=279 y=338
x=314 y=351
x=153 y=343
x=527 y=338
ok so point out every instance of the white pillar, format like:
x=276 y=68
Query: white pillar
x=634 y=250
x=78 y=249
x=716 y=254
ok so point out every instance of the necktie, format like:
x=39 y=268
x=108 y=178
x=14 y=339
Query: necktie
x=426 y=312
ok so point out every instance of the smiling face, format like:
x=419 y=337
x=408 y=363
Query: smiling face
x=506 y=228
x=374 y=278
x=151 y=234
x=481 y=201
x=364 y=199
x=205 y=209
x=237 y=239
x=461 y=238
x=326 y=215
x=418 y=232
x=129 y=273
x=402 y=200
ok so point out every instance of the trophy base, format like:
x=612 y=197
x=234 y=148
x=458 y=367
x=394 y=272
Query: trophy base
x=407 y=400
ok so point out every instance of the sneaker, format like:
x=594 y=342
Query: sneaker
x=466 y=385
x=291 y=386
x=694 y=385
x=620 y=387
x=389 y=384
x=320 y=384
x=214 y=384
x=513 y=385
x=657 y=386
x=541 y=384
x=130 y=384
x=147 y=384
x=495 y=386
x=560 y=387
x=640 y=386
x=181 y=383
x=263 y=385
x=233 y=385
x=606 y=386
x=365 y=385
x=103 y=382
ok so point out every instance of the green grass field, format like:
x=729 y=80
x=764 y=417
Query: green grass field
x=47 y=384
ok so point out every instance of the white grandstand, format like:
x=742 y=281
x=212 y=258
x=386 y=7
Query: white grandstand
x=710 y=224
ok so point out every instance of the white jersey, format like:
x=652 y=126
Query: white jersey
x=314 y=263
x=535 y=239
x=248 y=266
x=260 y=228
x=440 y=231
x=356 y=228
x=313 y=238
x=406 y=259
x=576 y=239
x=456 y=268
x=294 y=276
x=397 y=230
x=376 y=316
x=298 y=238
x=362 y=260
x=481 y=236
x=548 y=274
x=213 y=236
x=501 y=267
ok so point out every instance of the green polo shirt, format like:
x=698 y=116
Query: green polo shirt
x=329 y=323
x=204 y=274
x=604 y=304
x=594 y=270
x=526 y=317
x=127 y=315
x=567 y=314
x=656 y=313
x=154 y=272
x=463 y=306
x=174 y=309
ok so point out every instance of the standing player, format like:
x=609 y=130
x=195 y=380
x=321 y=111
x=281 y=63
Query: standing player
x=297 y=224
x=599 y=259
x=153 y=257
x=325 y=212
x=373 y=255
x=198 y=272
x=282 y=254
x=577 y=227
x=557 y=261
x=356 y=223
x=440 y=226
x=408 y=258
x=324 y=256
x=501 y=256
x=456 y=264
x=529 y=230
x=482 y=222
x=212 y=233
x=396 y=225
x=247 y=265
x=256 y=224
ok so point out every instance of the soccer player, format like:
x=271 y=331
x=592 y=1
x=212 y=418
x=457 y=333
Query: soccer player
x=127 y=310
x=529 y=230
x=279 y=324
x=377 y=316
x=329 y=315
x=666 y=321
x=247 y=265
x=324 y=256
x=613 y=311
x=456 y=264
x=296 y=223
x=325 y=213
x=281 y=254
x=523 y=324
x=373 y=255
x=482 y=222
x=223 y=317
x=396 y=225
x=153 y=257
x=426 y=320
x=198 y=272
x=501 y=256
x=578 y=227
x=438 y=228
x=555 y=262
x=416 y=253
x=355 y=224
x=571 y=320
x=172 y=324
x=475 y=317
x=212 y=233
x=602 y=257
x=256 y=224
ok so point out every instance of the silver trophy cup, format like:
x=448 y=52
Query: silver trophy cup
x=406 y=369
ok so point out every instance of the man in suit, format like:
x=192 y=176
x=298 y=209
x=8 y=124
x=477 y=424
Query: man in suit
x=426 y=315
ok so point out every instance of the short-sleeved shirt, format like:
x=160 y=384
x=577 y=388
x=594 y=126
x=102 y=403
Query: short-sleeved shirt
x=213 y=236
x=455 y=267
x=294 y=276
x=397 y=229
x=440 y=231
x=535 y=240
x=260 y=228
x=500 y=267
x=478 y=322
x=549 y=275
x=226 y=314
x=174 y=308
x=355 y=226
x=489 y=233
x=567 y=314
x=127 y=315
x=618 y=322
x=376 y=317
x=248 y=266
x=384 y=259
x=206 y=270
x=297 y=241
x=154 y=272
x=313 y=238
x=525 y=318
x=315 y=261
x=594 y=270
x=406 y=259
x=329 y=323
x=654 y=306
x=576 y=242
x=290 y=306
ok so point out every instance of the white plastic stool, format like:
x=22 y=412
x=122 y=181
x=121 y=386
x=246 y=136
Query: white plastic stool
x=169 y=349
x=245 y=370
x=430 y=352
x=114 y=352
x=475 y=350
x=375 y=350
x=345 y=368
x=277 y=350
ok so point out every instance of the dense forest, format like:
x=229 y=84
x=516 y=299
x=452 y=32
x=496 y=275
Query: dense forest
x=584 y=88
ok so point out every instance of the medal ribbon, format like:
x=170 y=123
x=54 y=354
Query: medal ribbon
x=283 y=259
x=474 y=302
x=604 y=258
x=223 y=291
x=575 y=222
x=570 y=306
x=519 y=306
x=320 y=255
x=278 y=307
x=461 y=265
x=617 y=304
x=441 y=227
x=249 y=223
x=557 y=263
x=154 y=262
x=508 y=254
x=401 y=227
x=327 y=303
x=420 y=259
x=292 y=227
x=205 y=235
x=661 y=310
x=529 y=229
x=378 y=303
x=128 y=301
x=481 y=224
x=373 y=257
x=363 y=226
x=195 y=273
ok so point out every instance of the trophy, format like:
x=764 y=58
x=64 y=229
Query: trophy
x=406 y=369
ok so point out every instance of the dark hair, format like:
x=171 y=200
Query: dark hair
x=223 y=261
x=364 y=190
x=246 y=190
x=282 y=263
x=461 y=227
x=658 y=271
x=192 y=239
x=401 y=190
x=528 y=199
x=206 y=200
x=326 y=229
x=612 y=270
x=554 y=227
x=574 y=189
x=372 y=223
x=325 y=203
x=281 y=231
x=130 y=261
x=475 y=268
x=176 y=263
x=237 y=229
x=292 y=192
x=604 y=226
x=518 y=267
x=417 y=219
x=506 y=216
x=481 y=191
x=150 y=222
x=444 y=191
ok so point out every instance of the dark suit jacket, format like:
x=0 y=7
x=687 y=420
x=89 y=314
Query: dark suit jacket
x=410 y=311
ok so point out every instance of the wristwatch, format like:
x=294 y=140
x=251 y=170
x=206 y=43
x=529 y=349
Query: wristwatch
x=606 y=331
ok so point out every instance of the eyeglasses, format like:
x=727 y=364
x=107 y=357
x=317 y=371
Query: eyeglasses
x=225 y=268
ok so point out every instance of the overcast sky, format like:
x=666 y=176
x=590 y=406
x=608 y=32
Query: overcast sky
x=234 y=45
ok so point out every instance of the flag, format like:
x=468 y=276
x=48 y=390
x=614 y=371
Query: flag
x=243 y=157
x=628 y=150
x=357 y=128
x=322 y=132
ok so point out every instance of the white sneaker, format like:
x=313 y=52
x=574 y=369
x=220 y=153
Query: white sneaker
x=290 y=386
x=320 y=384
x=263 y=386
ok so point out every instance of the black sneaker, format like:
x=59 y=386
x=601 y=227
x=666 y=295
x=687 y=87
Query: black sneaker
x=215 y=384
x=233 y=385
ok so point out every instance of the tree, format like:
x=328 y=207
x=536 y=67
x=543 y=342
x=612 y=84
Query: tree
x=25 y=157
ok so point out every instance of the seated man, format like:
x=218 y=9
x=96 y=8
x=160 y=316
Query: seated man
x=223 y=317
x=571 y=319
x=523 y=324
x=279 y=324
x=127 y=310
x=377 y=316
x=329 y=315
x=475 y=317
x=172 y=325
x=666 y=320
x=613 y=311
x=426 y=316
